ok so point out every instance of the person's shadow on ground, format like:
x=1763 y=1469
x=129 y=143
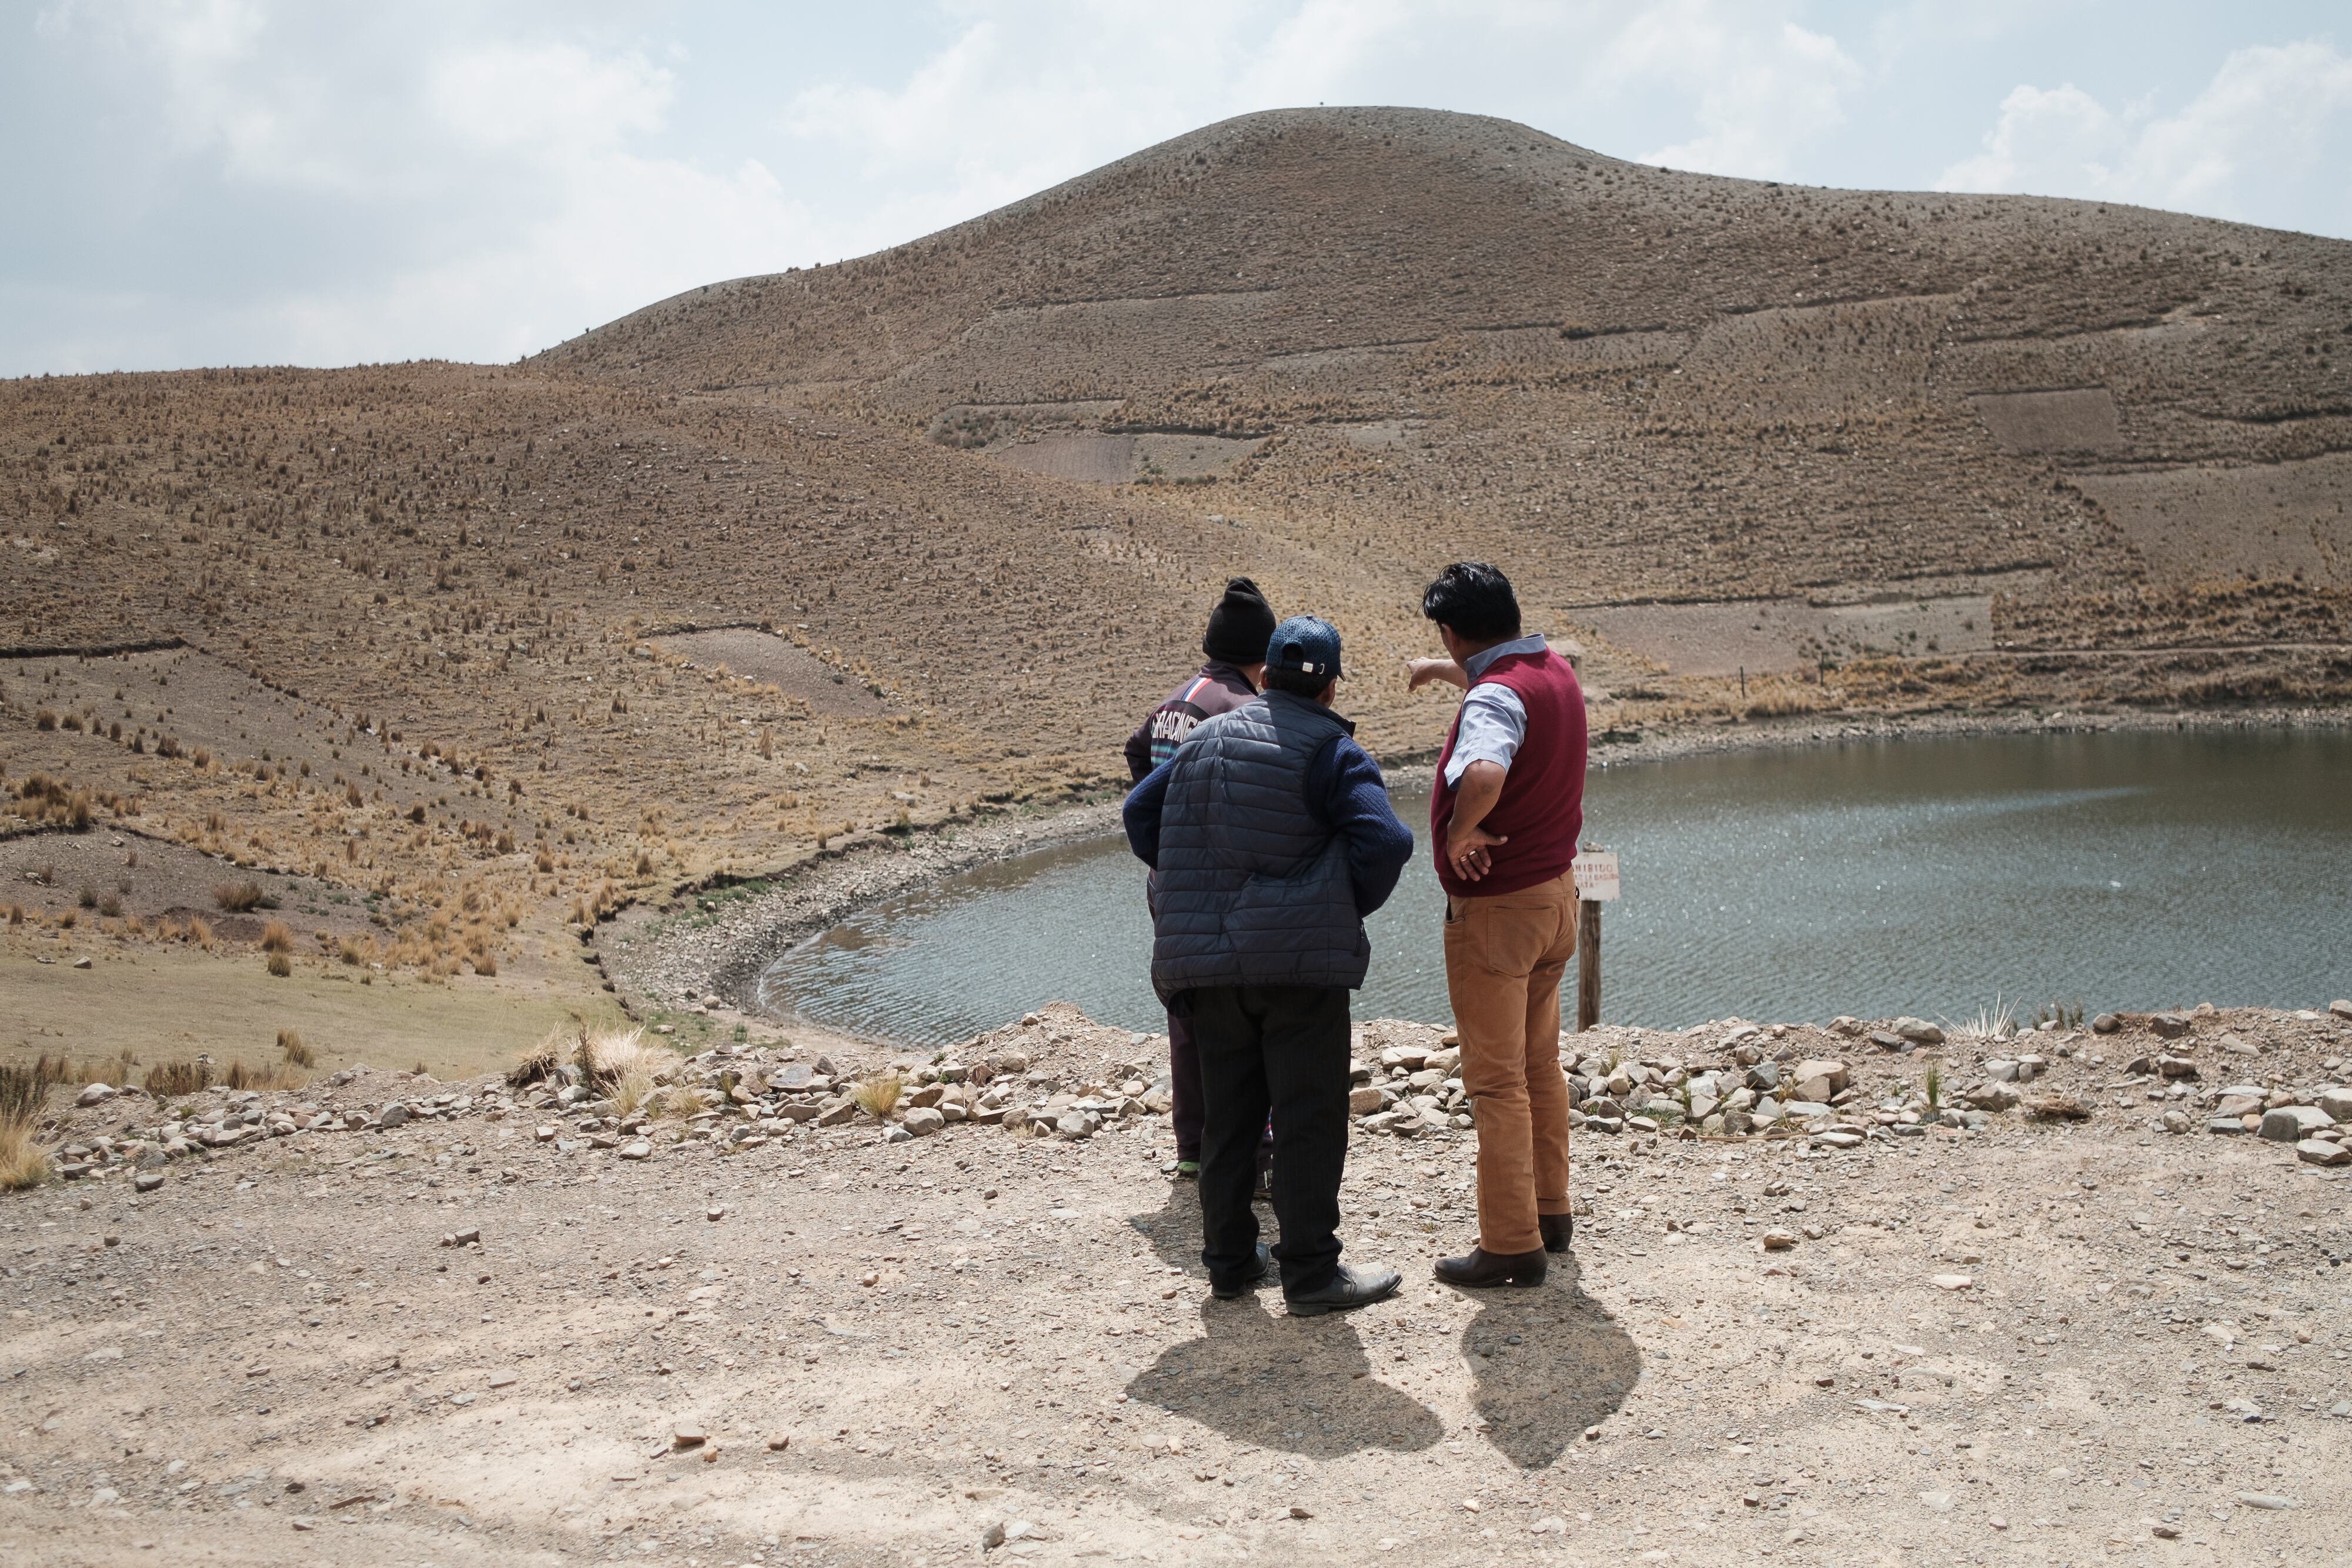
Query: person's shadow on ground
x=1303 y=1386
x=1175 y=1232
x=1547 y=1363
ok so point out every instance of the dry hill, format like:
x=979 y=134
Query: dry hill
x=442 y=637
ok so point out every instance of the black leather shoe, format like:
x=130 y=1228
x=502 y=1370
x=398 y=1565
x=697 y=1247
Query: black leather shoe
x=1559 y=1230
x=1232 y=1290
x=1482 y=1267
x=1350 y=1287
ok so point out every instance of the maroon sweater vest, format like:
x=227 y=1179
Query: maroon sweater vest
x=1542 y=806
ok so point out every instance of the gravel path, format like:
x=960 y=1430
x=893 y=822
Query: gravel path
x=452 y=1338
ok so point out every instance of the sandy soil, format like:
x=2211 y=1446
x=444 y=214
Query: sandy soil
x=2030 y=1343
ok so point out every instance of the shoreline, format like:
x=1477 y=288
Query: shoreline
x=653 y=955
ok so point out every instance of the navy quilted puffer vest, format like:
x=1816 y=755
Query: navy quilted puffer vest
x=1253 y=891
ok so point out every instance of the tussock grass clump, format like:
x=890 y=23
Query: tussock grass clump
x=24 y=1163
x=275 y=1076
x=633 y=1090
x=24 y=1090
x=601 y=1059
x=169 y=1080
x=276 y=936
x=291 y=1046
x=280 y=965
x=239 y=897
x=878 y=1097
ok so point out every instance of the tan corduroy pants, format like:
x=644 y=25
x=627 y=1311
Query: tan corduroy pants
x=1504 y=958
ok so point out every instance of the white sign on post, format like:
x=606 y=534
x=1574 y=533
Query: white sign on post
x=1596 y=875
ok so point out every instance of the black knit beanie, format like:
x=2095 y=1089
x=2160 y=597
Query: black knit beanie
x=1240 y=626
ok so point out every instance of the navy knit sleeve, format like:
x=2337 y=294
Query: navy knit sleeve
x=1344 y=789
x=1140 y=815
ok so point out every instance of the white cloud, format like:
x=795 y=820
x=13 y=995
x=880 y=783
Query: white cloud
x=2247 y=146
x=1765 y=89
x=554 y=95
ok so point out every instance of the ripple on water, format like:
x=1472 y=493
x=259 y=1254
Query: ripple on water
x=1920 y=876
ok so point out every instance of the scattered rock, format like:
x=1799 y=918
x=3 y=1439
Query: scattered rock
x=2105 y=1023
x=96 y=1094
x=1918 y=1032
x=1951 y=1281
x=2292 y=1124
x=923 y=1121
x=2320 y=1152
x=2168 y=1026
x=637 y=1149
x=2267 y=1499
x=1778 y=1240
x=2341 y=1009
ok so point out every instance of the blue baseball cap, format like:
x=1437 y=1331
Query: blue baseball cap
x=1304 y=646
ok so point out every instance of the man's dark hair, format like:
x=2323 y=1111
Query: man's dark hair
x=1298 y=683
x=1474 y=600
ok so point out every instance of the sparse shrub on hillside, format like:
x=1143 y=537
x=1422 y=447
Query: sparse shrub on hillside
x=289 y=1044
x=278 y=964
x=237 y=897
x=276 y=936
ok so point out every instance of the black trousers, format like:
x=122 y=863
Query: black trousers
x=1282 y=1047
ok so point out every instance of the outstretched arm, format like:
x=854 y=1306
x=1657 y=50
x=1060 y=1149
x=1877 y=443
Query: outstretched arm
x=1419 y=673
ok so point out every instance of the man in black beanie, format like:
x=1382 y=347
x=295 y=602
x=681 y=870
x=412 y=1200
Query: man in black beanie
x=1239 y=628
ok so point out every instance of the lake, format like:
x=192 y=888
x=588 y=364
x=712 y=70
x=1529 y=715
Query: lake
x=2126 y=871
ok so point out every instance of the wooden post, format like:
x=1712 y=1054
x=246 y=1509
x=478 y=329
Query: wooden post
x=1588 y=963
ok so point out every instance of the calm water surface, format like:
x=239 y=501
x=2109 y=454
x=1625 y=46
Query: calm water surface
x=1920 y=876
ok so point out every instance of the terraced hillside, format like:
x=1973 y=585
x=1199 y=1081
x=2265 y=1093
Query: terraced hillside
x=850 y=550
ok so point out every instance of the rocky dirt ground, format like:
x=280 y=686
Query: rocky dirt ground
x=489 y=1326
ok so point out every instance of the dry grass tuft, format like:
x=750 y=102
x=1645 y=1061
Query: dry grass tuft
x=24 y=1163
x=280 y=1076
x=633 y=1090
x=289 y=1045
x=24 y=1090
x=238 y=897
x=167 y=1080
x=878 y=1097
x=276 y=936
x=601 y=1059
x=280 y=965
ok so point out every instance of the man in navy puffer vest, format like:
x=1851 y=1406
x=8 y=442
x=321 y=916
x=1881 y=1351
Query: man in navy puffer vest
x=1272 y=838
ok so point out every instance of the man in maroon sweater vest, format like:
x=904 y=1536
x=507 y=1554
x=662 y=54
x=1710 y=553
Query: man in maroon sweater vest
x=1504 y=814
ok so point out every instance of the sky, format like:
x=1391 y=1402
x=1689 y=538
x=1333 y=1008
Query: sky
x=297 y=182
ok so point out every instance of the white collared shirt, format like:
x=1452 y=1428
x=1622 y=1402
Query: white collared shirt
x=1494 y=721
